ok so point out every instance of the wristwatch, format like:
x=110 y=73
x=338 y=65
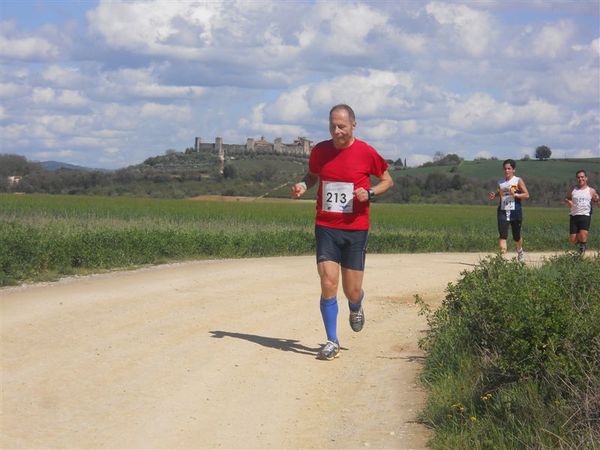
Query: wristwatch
x=371 y=193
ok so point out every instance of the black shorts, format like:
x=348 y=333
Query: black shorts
x=345 y=247
x=503 y=225
x=578 y=223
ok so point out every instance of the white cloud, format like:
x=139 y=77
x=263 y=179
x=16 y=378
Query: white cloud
x=186 y=30
x=14 y=133
x=62 y=154
x=28 y=48
x=580 y=83
x=416 y=159
x=380 y=94
x=345 y=28
x=64 y=98
x=586 y=153
x=43 y=95
x=85 y=141
x=585 y=123
x=63 y=76
x=481 y=113
x=484 y=154
x=65 y=125
x=411 y=43
x=169 y=112
x=379 y=129
x=552 y=41
x=71 y=98
x=3 y=114
x=386 y=128
x=292 y=106
x=526 y=151
x=148 y=26
x=256 y=124
x=10 y=90
x=593 y=48
x=142 y=83
x=157 y=91
x=369 y=93
x=471 y=29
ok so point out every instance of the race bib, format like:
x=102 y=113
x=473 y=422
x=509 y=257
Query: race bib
x=507 y=203
x=337 y=196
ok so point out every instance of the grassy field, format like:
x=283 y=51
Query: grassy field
x=45 y=236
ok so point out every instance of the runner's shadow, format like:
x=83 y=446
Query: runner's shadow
x=286 y=345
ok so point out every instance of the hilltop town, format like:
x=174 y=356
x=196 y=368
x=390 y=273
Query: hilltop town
x=300 y=147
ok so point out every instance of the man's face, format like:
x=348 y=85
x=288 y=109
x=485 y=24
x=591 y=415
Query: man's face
x=581 y=179
x=341 y=128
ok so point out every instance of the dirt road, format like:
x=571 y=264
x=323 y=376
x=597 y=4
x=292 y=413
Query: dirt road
x=216 y=354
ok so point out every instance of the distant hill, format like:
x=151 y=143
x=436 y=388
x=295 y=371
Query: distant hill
x=190 y=174
x=53 y=166
x=552 y=169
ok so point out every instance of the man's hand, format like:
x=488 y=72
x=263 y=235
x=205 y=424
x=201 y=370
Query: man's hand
x=298 y=189
x=361 y=194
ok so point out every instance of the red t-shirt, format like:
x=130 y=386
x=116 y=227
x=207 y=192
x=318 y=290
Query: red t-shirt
x=340 y=173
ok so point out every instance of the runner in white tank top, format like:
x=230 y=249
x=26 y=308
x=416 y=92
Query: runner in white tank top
x=511 y=190
x=580 y=200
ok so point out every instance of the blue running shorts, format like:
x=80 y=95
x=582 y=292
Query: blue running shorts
x=345 y=247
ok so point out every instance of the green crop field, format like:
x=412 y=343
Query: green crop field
x=44 y=236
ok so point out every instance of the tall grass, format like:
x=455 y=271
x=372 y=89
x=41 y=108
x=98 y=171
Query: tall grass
x=45 y=236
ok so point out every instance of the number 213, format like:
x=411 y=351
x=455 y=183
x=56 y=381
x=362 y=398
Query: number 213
x=337 y=198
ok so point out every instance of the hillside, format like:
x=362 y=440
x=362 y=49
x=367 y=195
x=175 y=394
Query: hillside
x=191 y=173
x=469 y=181
x=558 y=169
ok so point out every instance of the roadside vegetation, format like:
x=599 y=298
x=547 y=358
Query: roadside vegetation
x=46 y=236
x=513 y=357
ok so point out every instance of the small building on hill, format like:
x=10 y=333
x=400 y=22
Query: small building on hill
x=13 y=180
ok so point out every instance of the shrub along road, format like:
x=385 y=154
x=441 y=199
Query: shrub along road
x=217 y=354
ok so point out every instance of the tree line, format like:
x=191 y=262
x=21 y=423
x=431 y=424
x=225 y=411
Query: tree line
x=166 y=177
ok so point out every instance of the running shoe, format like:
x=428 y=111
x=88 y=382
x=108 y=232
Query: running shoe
x=329 y=351
x=357 y=320
x=521 y=256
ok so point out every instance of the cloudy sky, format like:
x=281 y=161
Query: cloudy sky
x=108 y=84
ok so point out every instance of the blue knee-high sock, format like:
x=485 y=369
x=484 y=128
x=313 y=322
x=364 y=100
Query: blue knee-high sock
x=355 y=307
x=329 y=312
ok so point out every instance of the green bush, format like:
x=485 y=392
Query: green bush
x=524 y=371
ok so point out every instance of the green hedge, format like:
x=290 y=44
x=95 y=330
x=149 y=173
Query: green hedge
x=28 y=251
x=513 y=357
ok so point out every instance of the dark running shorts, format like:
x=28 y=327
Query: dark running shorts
x=577 y=223
x=345 y=247
x=503 y=225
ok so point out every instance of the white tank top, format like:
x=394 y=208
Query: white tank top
x=507 y=201
x=582 y=202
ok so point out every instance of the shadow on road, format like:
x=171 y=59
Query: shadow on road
x=287 y=345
